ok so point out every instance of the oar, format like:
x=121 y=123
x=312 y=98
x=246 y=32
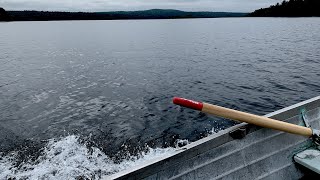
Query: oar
x=247 y=117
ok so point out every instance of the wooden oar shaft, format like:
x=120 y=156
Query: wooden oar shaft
x=244 y=117
x=256 y=120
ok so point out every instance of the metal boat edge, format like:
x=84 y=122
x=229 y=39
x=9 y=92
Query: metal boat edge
x=157 y=168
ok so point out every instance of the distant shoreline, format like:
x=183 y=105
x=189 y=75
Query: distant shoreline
x=142 y=19
x=116 y=15
x=290 y=8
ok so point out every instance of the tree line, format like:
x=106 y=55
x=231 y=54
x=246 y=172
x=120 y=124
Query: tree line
x=3 y=15
x=291 y=8
x=146 y=14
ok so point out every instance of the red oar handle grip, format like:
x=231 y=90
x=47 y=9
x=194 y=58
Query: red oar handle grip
x=188 y=103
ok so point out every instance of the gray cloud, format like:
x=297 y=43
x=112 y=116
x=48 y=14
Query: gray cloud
x=110 y=5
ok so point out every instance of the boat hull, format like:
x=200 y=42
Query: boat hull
x=261 y=154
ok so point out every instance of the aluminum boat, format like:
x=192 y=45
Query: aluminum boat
x=243 y=152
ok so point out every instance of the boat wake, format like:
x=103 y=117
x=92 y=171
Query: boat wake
x=67 y=158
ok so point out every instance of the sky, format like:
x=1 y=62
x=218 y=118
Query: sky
x=115 y=5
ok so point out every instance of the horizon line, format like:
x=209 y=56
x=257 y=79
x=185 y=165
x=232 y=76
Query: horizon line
x=126 y=11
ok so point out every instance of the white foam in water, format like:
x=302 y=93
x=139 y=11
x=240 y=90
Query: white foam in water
x=181 y=142
x=215 y=130
x=68 y=159
x=40 y=97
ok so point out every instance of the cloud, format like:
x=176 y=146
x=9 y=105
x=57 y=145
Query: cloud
x=111 y=5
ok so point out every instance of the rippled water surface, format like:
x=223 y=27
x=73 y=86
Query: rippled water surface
x=110 y=83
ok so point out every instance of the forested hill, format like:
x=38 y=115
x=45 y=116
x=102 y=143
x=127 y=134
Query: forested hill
x=291 y=8
x=3 y=15
x=147 y=14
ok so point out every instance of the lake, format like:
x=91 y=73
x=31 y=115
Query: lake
x=67 y=87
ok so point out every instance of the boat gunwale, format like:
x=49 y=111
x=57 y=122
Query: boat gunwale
x=211 y=141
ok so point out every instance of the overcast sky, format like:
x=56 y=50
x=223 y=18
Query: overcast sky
x=111 y=5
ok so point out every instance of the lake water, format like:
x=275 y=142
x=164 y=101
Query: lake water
x=78 y=97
